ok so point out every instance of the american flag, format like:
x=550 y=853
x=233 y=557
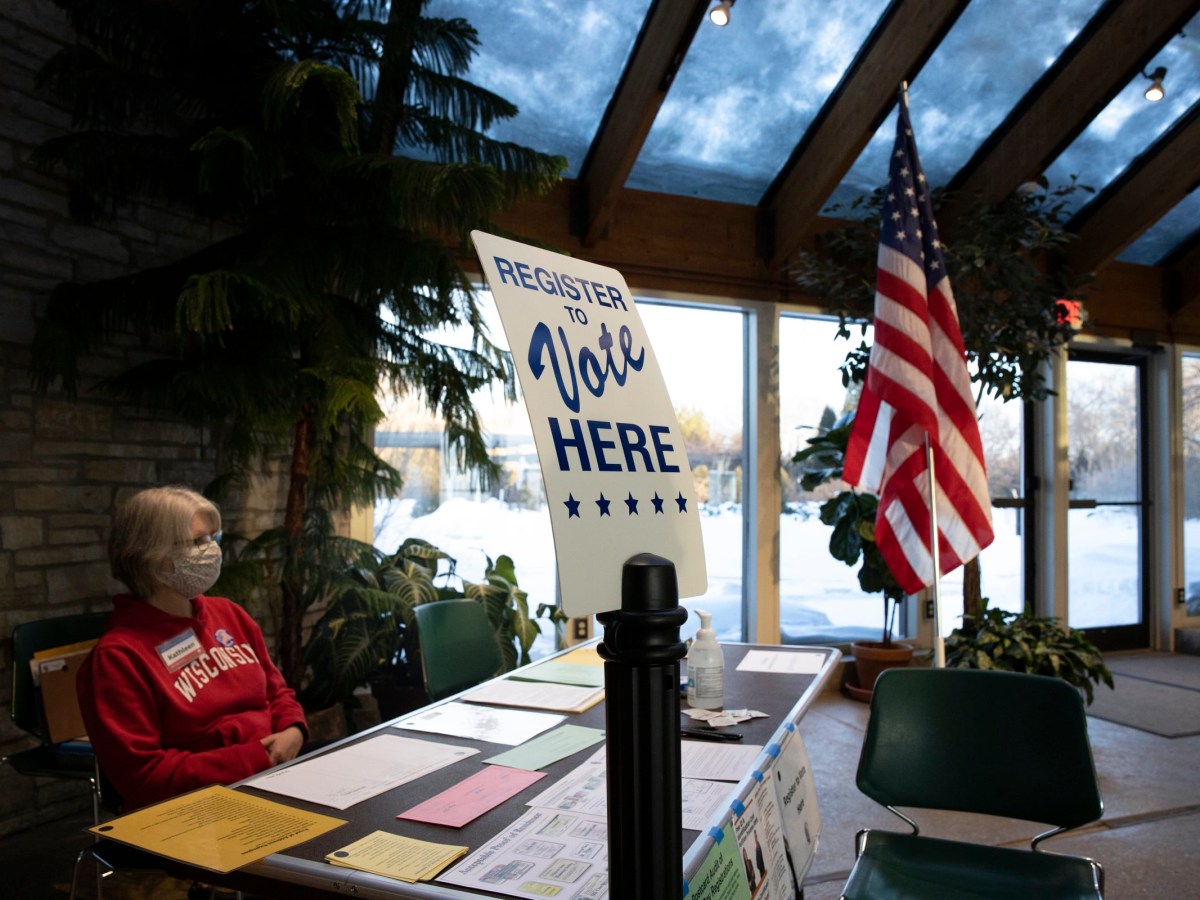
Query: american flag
x=917 y=384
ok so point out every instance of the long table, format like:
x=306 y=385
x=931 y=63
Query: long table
x=302 y=871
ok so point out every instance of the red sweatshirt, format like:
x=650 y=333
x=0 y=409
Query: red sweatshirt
x=163 y=720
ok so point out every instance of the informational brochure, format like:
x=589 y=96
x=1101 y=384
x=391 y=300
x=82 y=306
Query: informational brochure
x=216 y=828
x=788 y=662
x=396 y=856
x=536 y=695
x=544 y=853
x=721 y=875
x=759 y=833
x=797 y=796
x=356 y=772
x=482 y=723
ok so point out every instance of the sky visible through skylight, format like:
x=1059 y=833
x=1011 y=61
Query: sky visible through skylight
x=745 y=94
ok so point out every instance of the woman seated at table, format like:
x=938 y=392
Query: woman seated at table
x=179 y=692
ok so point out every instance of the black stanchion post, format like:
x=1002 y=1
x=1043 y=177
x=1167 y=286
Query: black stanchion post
x=641 y=650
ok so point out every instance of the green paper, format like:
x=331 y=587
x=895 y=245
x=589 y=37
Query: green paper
x=548 y=748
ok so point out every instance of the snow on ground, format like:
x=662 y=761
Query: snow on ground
x=818 y=594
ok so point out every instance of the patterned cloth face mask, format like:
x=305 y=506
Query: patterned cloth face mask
x=196 y=570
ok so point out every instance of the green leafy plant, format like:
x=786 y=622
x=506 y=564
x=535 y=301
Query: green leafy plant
x=1005 y=268
x=1038 y=645
x=852 y=517
x=366 y=630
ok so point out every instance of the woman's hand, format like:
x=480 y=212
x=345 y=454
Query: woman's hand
x=283 y=745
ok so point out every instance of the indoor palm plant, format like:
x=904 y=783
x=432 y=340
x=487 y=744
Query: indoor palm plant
x=330 y=159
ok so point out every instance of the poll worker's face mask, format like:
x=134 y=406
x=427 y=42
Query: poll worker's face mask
x=195 y=570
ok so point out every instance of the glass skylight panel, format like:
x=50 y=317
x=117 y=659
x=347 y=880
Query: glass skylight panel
x=559 y=61
x=745 y=94
x=970 y=83
x=1161 y=238
x=1131 y=123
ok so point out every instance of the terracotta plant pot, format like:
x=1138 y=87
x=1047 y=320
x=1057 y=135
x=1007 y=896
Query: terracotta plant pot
x=871 y=658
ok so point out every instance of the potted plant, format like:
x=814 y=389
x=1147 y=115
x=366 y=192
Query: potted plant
x=1018 y=642
x=365 y=635
x=851 y=514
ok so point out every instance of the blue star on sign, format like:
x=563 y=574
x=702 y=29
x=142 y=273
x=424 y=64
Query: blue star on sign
x=572 y=506
x=658 y=504
x=632 y=504
x=603 y=504
x=682 y=502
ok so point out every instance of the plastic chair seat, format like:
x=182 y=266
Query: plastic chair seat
x=910 y=866
x=459 y=647
x=51 y=761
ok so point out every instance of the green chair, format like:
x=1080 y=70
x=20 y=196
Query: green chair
x=48 y=760
x=459 y=646
x=997 y=743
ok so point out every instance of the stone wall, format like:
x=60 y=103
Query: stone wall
x=65 y=463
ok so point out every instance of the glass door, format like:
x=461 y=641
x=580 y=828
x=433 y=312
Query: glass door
x=1106 y=526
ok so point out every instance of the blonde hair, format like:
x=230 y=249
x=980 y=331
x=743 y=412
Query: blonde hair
x=149 y=528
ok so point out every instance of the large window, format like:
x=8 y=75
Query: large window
x=1191 y=482
x=819 y=597
x=701 y=352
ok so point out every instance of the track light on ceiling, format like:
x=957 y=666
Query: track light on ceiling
x=719 y=14
x=1155 y=92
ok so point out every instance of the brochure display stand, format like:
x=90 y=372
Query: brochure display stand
x=641 y=651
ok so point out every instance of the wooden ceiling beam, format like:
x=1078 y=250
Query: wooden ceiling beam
x=658 y=52
x=895 y=51
x=1183 y=274
x=1154 y=183
x=1118 y=42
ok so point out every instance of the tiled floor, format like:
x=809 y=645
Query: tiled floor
x=1146 y=841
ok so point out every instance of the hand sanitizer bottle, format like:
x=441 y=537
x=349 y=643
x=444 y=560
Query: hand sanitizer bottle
x=706 y=668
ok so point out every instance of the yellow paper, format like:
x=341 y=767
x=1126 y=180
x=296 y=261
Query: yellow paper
x=65 y=649
x=581 y=656
x=217 y=828
x=395 y=856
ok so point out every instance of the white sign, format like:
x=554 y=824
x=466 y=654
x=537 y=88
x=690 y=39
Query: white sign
x=613 y=460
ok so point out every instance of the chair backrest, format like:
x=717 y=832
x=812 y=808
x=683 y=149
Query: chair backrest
x=44 y=634
x=1001 y=743
x=459 y=646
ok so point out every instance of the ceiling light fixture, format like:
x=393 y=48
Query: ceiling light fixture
x=719 y=14
x=1155 y=92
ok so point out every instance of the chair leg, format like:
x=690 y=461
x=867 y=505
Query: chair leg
x=100 y=876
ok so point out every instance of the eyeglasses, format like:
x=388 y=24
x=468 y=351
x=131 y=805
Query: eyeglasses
x=214 y=538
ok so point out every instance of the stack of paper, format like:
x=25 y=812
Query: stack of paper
x=395 y=856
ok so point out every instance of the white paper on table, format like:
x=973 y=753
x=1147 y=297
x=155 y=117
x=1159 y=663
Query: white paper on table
x=482 y=723
x=536 y=695
x=785 y=662
x=702 y=800
x=544 y=853
x=585 y=790
x=355 y=773
x=717 y=762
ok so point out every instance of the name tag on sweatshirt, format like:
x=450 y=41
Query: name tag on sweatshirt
x=180 y=650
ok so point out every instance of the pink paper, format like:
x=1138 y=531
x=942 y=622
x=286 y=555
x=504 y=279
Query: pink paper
x=472 y=797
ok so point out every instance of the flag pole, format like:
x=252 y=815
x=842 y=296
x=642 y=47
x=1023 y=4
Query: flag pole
x=939 y=645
